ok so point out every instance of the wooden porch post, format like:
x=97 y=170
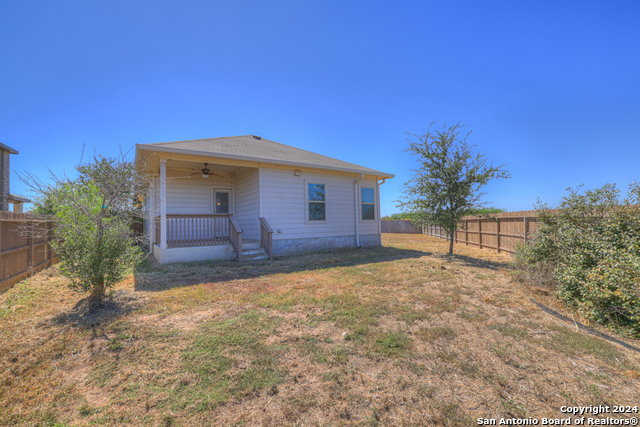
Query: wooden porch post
x=163 y=203
x=152 y=214
x=260 y=214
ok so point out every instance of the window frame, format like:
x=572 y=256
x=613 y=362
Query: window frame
x=360 y=203
x=307 y=201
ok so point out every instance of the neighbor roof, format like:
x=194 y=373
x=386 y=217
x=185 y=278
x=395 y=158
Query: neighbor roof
x=249 y=147
x=9 y=149
x=19 y=199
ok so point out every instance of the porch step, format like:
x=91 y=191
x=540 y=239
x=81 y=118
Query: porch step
x=253 y=254
x=250 y=245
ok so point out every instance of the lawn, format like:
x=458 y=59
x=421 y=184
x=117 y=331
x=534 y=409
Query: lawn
x=398 y=335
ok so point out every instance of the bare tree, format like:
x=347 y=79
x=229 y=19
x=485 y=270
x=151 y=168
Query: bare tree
x=93 y=214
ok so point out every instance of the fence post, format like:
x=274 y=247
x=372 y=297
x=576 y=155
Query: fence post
x=466 y=232
x=526 y=229
x=30 y=250
x=49 y=239
x=1 y=248
x=498 y=235
x=480 y=232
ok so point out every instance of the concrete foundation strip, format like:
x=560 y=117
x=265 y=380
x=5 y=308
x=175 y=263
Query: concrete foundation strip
x=585 y=328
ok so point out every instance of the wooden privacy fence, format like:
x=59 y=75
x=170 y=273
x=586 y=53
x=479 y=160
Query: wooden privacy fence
x=399 y=226
x=502 y=231
x=21 y=253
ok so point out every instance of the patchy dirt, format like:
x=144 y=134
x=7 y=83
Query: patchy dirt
x=400 y=335
x=117 y=304
x=183 y=321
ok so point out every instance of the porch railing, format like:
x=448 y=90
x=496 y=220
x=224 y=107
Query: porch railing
x=196 y=230
x=235 y=235
x=266 y=237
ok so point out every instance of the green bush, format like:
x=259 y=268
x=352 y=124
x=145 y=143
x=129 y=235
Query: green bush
x=471 y=211
x=397 y=216
x=484 y=211
x=93 y=214
x=591 y=246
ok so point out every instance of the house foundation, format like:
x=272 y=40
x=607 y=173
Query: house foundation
x=292 y=246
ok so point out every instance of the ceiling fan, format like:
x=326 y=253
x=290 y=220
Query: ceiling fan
x=206 y=172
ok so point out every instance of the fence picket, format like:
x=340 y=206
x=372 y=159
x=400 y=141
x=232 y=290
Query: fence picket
x=15 y=264
x=511 y=228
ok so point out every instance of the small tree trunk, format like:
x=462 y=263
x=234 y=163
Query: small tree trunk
x=451 y=241
x=97 y=292
x=98 y=289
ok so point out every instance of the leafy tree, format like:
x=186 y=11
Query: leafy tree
x=398 y=216
x=484 y=211
x=93 y=215
x=43 y=206
x=591 y=247
x=472 y=211
x=447 y=184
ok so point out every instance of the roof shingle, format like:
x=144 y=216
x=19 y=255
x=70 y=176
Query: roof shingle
x=249 y=147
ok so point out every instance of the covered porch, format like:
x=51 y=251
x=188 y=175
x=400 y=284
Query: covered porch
x=205 y=237
x=206 y=211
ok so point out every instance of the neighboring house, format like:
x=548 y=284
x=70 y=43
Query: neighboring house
x=6 y=198
x=249 y=197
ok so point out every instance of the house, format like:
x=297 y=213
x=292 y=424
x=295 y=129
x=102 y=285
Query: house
x=6 y=198
x=248 y=197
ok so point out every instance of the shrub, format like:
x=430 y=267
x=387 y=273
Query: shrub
x=591 y=246
x=399 y=216
x=484 y=210
x=470 y=211
x=93 y=214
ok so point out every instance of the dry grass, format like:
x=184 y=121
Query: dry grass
x=399 y=335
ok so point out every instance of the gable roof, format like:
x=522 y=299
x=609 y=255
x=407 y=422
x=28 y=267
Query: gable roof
x=253 y=148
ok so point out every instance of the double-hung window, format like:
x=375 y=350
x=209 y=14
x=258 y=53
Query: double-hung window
x=367 y=202
x=316 y=202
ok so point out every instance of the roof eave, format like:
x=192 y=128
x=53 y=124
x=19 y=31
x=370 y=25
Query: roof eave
x=150 y=147
x=19 y=199
x=9 y=149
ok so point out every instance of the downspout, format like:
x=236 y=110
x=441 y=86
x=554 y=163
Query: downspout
x=355 y=199
x=379 y=214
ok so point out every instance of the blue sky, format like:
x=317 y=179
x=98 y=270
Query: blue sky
x=550 y=88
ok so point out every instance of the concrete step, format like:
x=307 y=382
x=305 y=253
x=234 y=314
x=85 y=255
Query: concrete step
x=250 y=245
x=254 y=258
x=253 y=252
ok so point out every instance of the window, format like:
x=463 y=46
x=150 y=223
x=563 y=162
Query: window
x=316 y=202
x=367 y=201
x=222 y=202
